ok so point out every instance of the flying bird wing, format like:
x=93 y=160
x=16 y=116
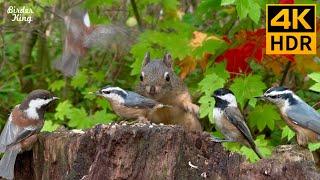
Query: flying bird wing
x=135 y=100
x=235 y=117
x=305 y=116
x=77 y=27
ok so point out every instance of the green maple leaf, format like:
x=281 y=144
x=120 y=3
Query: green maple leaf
x=227 y=2
x=316 y=77
x=214 y=46
x=242 y=7
x=57 y=85
x=262 y=144
x=102 y=117
x=314 y=146
x=254 y=12
x=79 y=80
x=248 y=7
x=79 y=119
x=215 y=78
x=101 y=102
x=287 y=133
x=206 y=107
x=210 y=83
x=263 y=116
x=49 y=126
x=246 y=88
x=63 y=109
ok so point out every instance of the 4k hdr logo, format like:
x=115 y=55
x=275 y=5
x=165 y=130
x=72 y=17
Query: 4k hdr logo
x=291 y=29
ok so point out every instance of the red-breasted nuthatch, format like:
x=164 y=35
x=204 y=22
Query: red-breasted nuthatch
x=129 y=104
x=20 y=131
x=229 y=120
x=299 y=116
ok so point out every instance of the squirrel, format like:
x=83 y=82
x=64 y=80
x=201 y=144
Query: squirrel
x=159 y=82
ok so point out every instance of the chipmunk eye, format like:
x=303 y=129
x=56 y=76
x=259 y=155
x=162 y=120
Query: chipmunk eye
x=166 y=76
x=141 y=76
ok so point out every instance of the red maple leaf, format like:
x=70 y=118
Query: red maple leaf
x=286 y=1
x=252 y=47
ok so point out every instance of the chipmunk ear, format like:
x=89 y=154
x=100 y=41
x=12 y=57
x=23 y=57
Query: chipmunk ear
x=167 y=60
x=146 y=59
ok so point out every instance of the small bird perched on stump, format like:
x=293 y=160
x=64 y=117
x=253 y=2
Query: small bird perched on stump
x=229 y=120
x=129 y=104
x=20 y=131
x=299 y=116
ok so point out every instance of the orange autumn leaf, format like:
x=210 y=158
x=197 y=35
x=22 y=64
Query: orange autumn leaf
x=187 y=65
x=199 y=38
x=306 y=64
x=276 y=65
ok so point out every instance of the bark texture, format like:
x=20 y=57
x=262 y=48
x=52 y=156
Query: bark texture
x=152 y=152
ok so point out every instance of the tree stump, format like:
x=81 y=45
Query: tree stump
x=150 y=152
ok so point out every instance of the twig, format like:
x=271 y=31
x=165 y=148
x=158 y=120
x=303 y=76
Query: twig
x=316 y=104
x=285 y=73
x=75 y=4
x=4 y=59
x=136 y=13
x=48 y=9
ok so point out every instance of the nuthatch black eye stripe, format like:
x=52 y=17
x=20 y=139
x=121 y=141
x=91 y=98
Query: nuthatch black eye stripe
x=301 y=117
x=121 y=93
x=281 y=88
x=106 y=92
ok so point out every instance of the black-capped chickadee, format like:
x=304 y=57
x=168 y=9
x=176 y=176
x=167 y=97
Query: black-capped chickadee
x=20 y=131
x=229 y=120
x=299 y=116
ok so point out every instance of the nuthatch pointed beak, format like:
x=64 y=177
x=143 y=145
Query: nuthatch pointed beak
x=55 y=98
x=98 y=92
x=260 y=97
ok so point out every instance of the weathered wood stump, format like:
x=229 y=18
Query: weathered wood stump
x=152 y=152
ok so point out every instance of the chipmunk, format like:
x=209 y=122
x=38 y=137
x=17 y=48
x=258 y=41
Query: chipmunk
x=159 y=82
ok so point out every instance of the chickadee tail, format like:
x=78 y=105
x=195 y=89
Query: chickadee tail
x=7 y=163
x=77 y=25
